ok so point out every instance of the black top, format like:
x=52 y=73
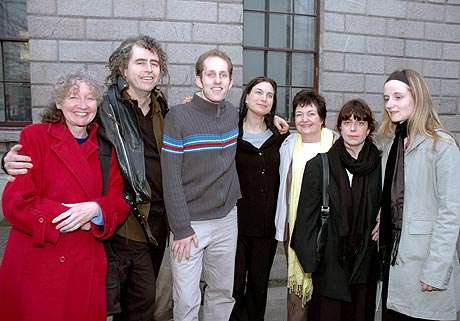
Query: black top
x=152 y=160
x=332 y=278
x=258 y=172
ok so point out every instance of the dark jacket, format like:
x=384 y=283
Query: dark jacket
x=331 y=277
x=258 y=172
x=121 y=128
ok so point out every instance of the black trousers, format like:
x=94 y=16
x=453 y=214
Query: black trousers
x=253 y=262
x=361 y=307
x=131 y=282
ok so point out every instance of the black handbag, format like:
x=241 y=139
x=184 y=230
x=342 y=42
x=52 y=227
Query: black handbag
x=322 y=233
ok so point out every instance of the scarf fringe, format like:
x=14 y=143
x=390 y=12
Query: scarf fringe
x=302 y=292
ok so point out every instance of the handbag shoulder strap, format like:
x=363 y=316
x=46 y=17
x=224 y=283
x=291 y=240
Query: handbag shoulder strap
x=325 y=194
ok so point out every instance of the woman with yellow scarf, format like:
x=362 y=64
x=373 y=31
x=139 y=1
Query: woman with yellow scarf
x=312 y=137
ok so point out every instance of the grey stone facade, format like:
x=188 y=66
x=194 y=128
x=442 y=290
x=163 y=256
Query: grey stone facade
x=362 y=41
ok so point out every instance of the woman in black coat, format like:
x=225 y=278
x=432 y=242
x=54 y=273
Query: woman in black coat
x=344 y=268
x=257 y=163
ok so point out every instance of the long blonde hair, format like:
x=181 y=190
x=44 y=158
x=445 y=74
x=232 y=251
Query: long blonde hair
x=424 y=120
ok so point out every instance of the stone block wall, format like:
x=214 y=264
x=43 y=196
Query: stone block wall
x=363 y=41
x=68 y=35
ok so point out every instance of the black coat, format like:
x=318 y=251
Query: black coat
x=331 y=277
x=258 y=172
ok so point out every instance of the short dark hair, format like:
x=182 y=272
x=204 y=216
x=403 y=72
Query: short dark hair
x=307 y=97
x=199 y=66
x=120 y=57
x=244 y=108
x=360 y=110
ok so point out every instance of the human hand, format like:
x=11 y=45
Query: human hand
x=187 y=99
x=16 y=164
x=428 y=288
x=375 y=231
x=281 y=124
x=76 y=216
x=181 y=248
x=86 y=226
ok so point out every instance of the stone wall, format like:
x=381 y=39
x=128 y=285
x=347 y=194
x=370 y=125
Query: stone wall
x=69 y=35
x=363 y=41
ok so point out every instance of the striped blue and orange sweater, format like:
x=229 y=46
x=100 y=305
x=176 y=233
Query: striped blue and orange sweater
x=198 y=163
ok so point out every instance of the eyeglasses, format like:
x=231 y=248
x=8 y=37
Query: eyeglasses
x=358 y=123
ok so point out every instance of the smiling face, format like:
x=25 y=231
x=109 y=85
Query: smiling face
x=308 y=123
x=260 y=99
x=142 y=72
x=398 y=100
x=79 y=108
x=215 y=80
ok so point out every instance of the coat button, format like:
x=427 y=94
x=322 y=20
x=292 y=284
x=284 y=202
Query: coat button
x=260 y=154
x=62 y=259
x=41 y=220
x=263 y=171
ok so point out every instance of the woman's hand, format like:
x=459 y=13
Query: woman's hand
x=428 y=288
x=375 y=231
x=77 y=216
x=281 y=124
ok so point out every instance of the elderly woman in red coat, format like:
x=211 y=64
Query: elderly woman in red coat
x=54 y=265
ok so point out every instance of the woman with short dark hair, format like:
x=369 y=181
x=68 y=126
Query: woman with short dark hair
x=343 y=258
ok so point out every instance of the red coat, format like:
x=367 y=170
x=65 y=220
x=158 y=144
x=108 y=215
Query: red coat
x=45 y=274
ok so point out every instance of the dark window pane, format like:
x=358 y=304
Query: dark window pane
x=254 y=29
x=18 y=102
x=277 y=67
x=280 y=5
x=16 y=64
x=280 y=31
x=13 y=18
x=253 y=62
x=2 y=103
x=304 y=6
x=283 y=102
x=1 y=61
x=302 y=70
x=304 y=33
x=254 y=4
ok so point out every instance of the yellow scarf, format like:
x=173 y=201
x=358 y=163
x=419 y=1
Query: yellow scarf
x=299 y=282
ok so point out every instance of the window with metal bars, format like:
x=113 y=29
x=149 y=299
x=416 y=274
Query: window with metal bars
x=281 y=41
x=15 y=101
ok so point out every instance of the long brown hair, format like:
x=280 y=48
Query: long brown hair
x=244 y=107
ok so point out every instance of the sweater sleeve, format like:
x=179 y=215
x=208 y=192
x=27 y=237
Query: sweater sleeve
x=171 y=167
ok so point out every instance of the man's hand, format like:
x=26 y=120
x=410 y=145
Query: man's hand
x=281 y=124
x=16 y=164
x=181 y=248
x=76 y=216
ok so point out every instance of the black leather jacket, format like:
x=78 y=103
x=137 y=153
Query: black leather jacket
x=121 y=128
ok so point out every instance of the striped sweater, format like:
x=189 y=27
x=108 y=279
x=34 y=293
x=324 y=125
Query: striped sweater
x=198 y=163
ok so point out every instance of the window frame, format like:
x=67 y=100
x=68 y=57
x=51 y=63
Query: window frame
x=290 y=51
x=9 y=123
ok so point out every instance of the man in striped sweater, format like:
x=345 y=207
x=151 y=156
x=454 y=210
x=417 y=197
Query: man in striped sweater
x=200 y=191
